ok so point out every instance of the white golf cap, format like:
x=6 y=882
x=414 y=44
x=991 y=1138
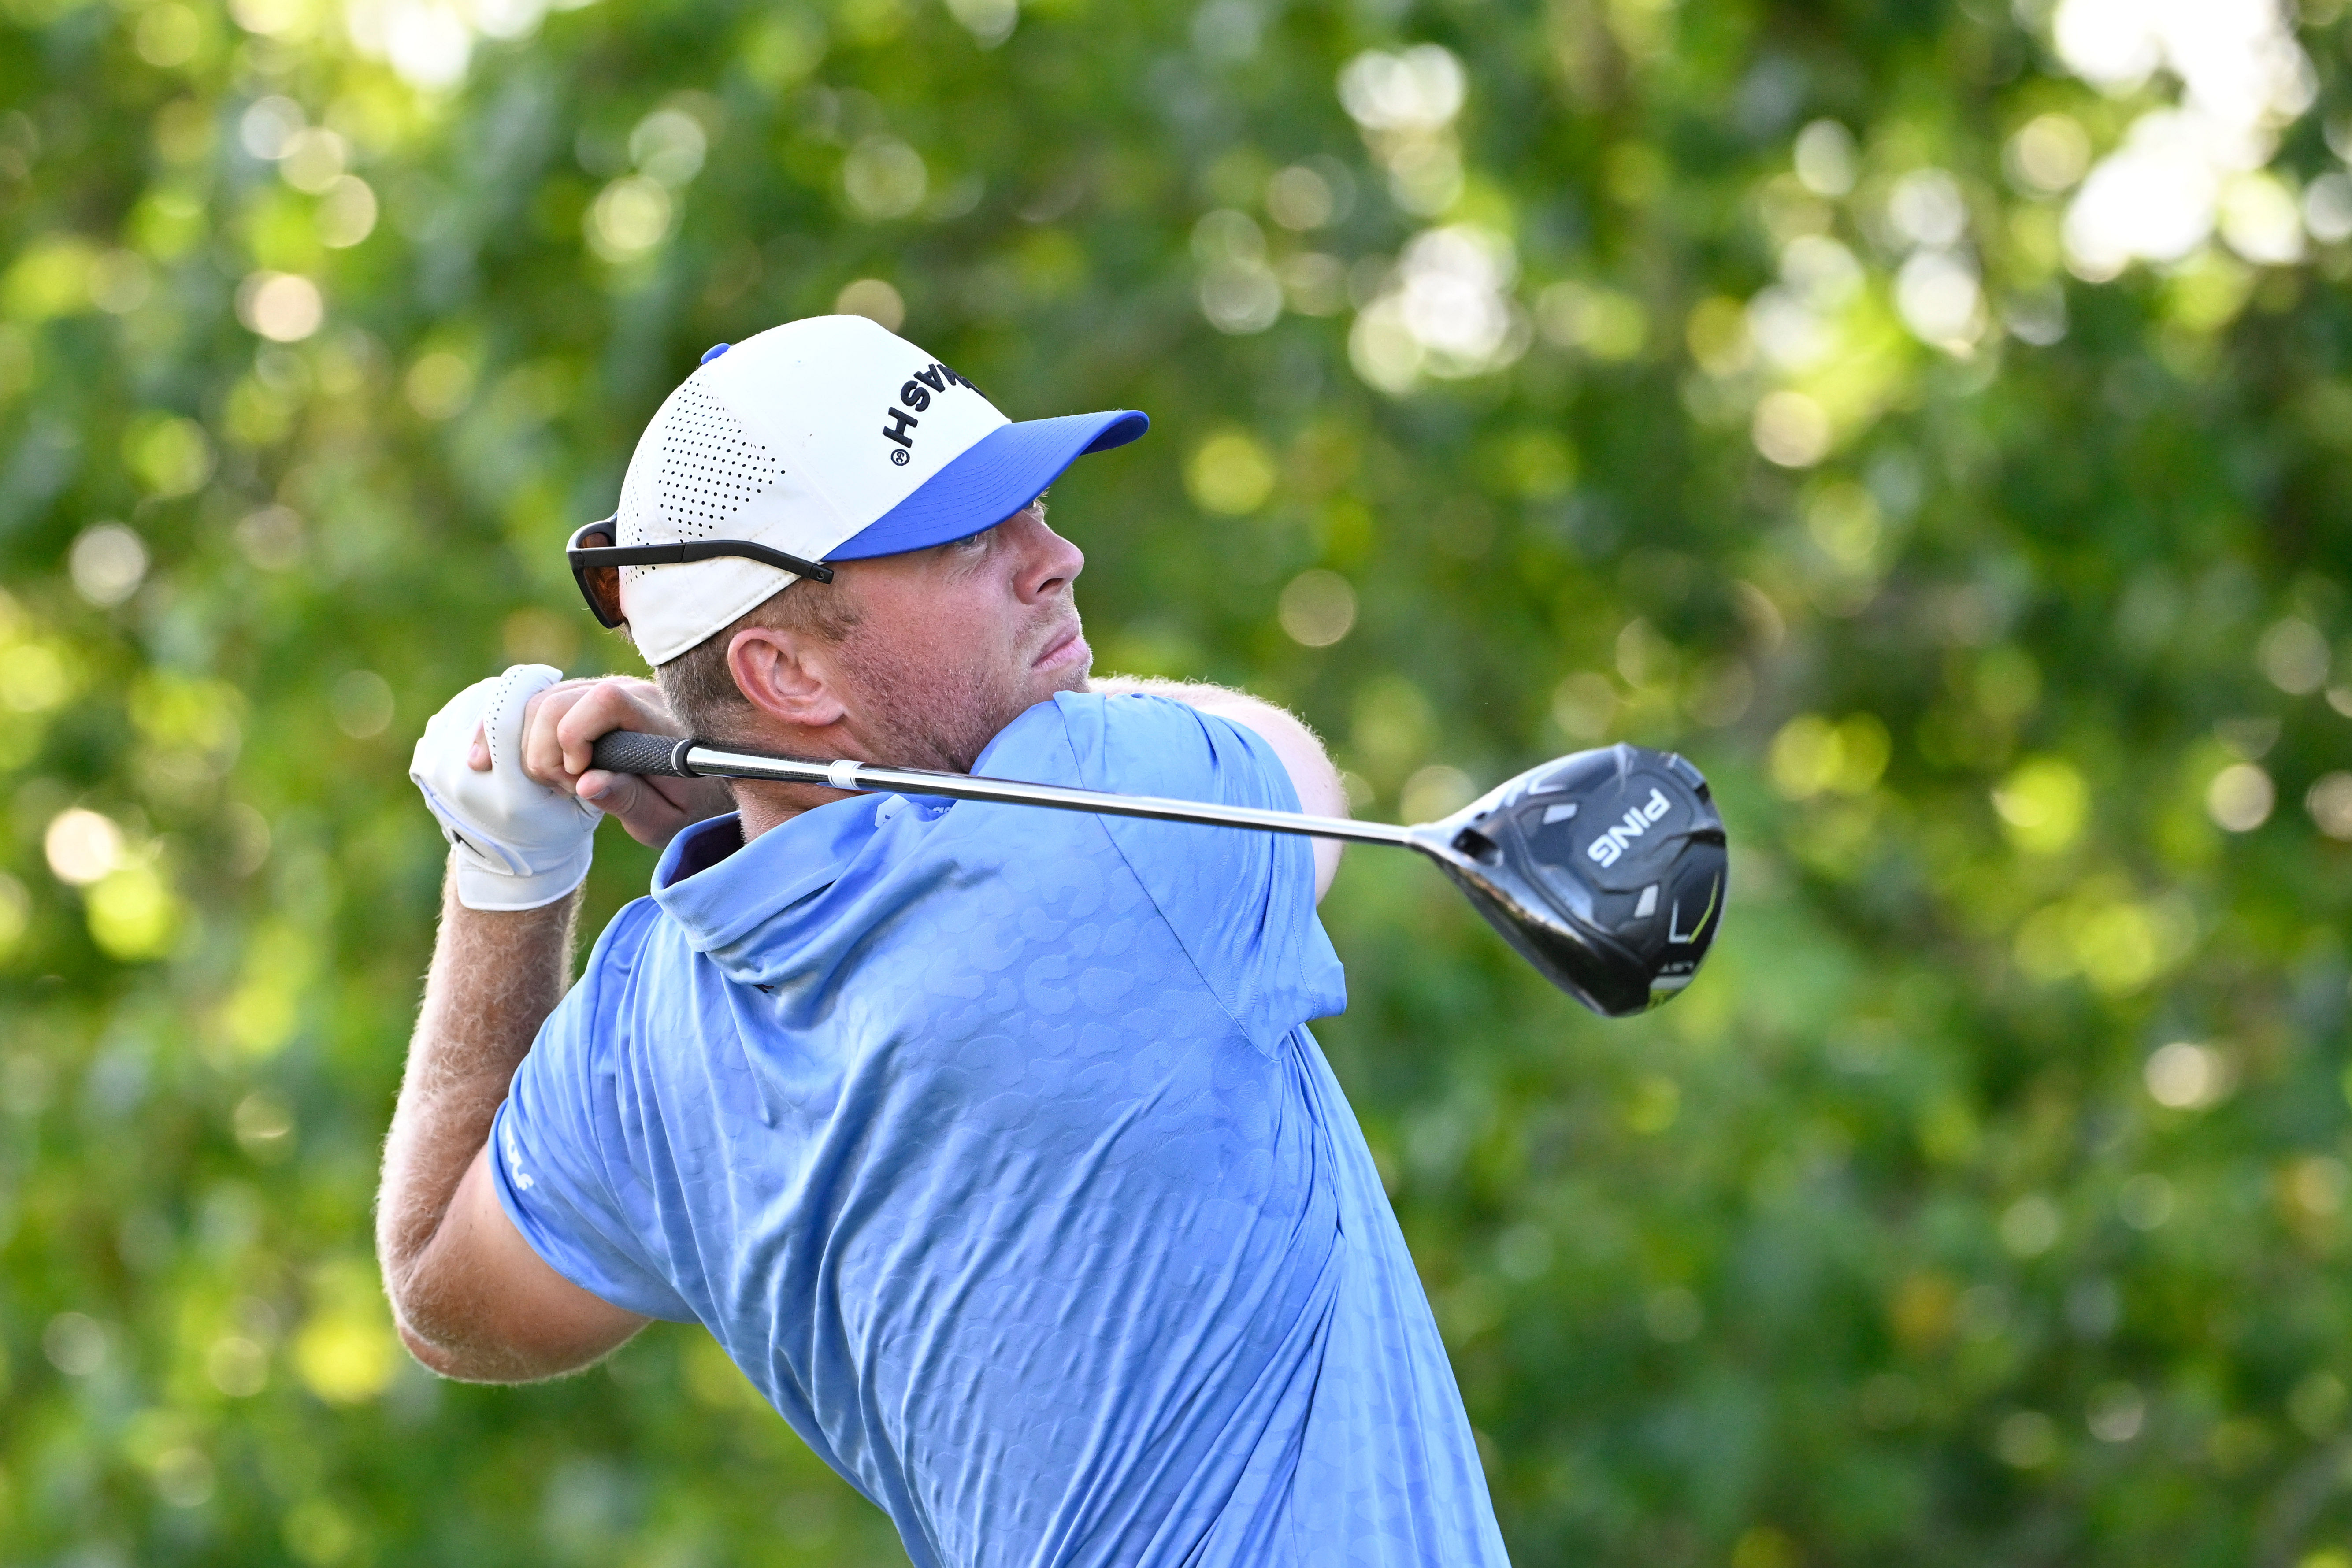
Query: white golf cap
x=830 y=439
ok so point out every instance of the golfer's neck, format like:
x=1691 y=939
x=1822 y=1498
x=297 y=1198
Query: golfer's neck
x=764 y=805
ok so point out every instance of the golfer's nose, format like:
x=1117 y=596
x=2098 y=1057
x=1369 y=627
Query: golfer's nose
x=1049 y=562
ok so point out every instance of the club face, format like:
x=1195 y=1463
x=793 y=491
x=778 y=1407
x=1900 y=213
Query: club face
x=1605 y=869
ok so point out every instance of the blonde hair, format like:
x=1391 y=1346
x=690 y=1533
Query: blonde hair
x=699 y=687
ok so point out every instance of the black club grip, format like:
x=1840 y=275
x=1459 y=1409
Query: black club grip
x=654 y=756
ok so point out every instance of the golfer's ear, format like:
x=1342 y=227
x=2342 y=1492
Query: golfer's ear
x=785 y=675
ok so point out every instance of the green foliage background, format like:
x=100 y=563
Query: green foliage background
x=1983 y=1202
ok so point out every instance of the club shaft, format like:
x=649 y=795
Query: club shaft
x=714 y=762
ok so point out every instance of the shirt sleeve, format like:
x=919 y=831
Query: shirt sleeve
x=560 y=1149
x=1241 y=902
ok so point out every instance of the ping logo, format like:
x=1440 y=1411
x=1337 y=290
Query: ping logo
x=1611 y=845
x=916 y=395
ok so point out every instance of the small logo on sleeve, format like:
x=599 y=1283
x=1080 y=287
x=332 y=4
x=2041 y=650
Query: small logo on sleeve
x=913 y=399
x=522 y=1182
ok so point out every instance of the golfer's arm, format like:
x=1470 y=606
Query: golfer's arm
x=471 y=1299
x=1320 y=793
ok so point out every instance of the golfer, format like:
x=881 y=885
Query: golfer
x=990 y=1143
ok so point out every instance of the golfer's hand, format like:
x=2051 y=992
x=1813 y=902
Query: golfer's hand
x=515 y=843
x=563 y=722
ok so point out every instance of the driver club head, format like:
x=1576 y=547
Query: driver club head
x=1606 y=869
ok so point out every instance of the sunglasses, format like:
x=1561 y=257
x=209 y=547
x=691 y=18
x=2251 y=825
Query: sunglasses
x=596 y=562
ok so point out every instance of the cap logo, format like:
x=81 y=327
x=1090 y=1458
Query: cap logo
x=916 y=396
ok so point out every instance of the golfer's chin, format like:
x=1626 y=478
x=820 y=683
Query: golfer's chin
x=1063 y=666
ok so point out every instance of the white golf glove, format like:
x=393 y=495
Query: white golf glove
x=519 y=845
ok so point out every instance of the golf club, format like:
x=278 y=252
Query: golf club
x=1605 y=869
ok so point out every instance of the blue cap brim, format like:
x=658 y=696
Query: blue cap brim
x=1002 y=472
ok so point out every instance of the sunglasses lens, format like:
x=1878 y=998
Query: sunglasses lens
x=603 y=584
x=600 y=585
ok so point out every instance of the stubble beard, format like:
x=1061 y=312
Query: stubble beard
x=922 y=715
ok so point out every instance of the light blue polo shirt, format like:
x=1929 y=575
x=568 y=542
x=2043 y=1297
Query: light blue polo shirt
x=991 y=1143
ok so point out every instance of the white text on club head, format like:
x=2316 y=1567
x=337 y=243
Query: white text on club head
x=1612 y=843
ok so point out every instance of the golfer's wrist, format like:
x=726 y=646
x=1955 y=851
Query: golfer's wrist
x=487 y=892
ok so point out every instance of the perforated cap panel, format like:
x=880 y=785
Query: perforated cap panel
x=706 y=469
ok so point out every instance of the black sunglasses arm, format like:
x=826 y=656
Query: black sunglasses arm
x=697 y=550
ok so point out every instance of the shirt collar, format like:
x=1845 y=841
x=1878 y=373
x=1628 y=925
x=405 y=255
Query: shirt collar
x=720 y=888
x=746 y=905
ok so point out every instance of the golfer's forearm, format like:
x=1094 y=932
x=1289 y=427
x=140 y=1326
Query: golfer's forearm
x=1301 y=751
x=495 y=978
x=1279 y=725
x=1193 y=693
x=1298 y=747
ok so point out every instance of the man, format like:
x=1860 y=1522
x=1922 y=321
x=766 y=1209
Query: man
x=990 y=1143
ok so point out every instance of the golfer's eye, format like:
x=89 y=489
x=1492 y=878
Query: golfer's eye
x=973 y=541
